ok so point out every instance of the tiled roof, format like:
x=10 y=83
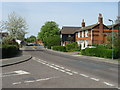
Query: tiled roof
x=69 y=30
x=87 y=27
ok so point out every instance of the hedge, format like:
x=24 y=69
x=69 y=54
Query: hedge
x=71 y=46
x=59 y=48
x=100 y=52
x=9 y=51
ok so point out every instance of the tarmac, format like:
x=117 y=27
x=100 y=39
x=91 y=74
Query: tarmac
x=99 y=59
x=23 y=58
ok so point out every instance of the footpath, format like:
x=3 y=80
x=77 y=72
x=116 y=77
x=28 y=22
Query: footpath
x=74 y=54
x=15 y=60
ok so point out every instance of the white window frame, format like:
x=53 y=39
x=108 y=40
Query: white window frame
x=86 y=33
x=78 y=34
x=82 y=33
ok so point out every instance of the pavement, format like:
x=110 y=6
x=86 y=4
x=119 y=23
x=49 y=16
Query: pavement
x=14 y=60
x=74 y=54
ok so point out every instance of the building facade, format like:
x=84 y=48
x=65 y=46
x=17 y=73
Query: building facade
x=88 y=35
x=94 y=34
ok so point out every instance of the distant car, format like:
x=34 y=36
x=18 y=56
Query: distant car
x=90 y=47
x=30 y=44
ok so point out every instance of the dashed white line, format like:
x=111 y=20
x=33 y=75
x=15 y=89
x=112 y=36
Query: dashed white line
x=95 y=79
x=16 y=83
x=84 y=75
x=29 y=81
x=74 y=72
x=69 y=73
x=109 y=84
x=67 y=70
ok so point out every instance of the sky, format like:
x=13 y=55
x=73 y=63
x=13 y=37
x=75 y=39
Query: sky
x=63 y=13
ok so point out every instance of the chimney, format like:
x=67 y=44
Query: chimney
x=83 y=23
x=100 y=19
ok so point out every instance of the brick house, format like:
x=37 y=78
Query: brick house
x=94 y=34
x=68 y=35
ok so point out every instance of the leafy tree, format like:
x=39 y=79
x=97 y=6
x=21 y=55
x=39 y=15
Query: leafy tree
x=116 y=42
x=31 y=39
x=16 y=26
x=49 y=34
x=117 y=20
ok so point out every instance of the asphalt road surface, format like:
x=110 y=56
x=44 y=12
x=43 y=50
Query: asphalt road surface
x=48 y=69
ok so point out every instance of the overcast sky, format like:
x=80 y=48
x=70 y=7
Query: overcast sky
x=63 y=13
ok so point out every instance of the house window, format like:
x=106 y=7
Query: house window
x=78 y=34
x=86 y=33
x=69 y=35
x=82 y=33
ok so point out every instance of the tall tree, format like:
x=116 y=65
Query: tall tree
x=16 y=26
x=50 y=34
x=31 y=39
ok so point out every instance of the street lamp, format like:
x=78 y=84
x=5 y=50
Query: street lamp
x=112 y=38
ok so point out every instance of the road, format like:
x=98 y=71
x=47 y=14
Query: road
x=48 y=69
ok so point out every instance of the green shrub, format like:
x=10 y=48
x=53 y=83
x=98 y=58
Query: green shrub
x=100 y=52
x=74 y=50
x=9 y=50
x=73 y=45
x=59 y=48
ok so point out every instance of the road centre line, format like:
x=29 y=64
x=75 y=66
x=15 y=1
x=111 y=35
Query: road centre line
x=84 y=75
x=109 y=84
x=70 y=72
x=16 y=83
x=95 y=79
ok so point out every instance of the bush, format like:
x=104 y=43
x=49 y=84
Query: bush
x=73 y=45
x=9 y=50
x=59 y=48
x=100 y=52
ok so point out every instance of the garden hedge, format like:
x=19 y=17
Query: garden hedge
x=9 y=51
x=100 y=52
x=59 y=48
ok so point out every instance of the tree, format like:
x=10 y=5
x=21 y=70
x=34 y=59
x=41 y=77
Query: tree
x=116 y=43
x=31 y=39
x=16 y=26
x=117 y=20
x=50 y=34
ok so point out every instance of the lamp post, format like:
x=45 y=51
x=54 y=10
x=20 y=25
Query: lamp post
x=112 y=38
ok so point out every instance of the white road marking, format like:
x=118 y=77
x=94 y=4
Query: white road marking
x=95 y=79
x=74 y=72
x=16 y=83
x=109 y=84
x=84 y=75
x=15 y=73
x=21 y=72
x=61 y=70
x=67 y=70
x=29 y=81
x=69 y=73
